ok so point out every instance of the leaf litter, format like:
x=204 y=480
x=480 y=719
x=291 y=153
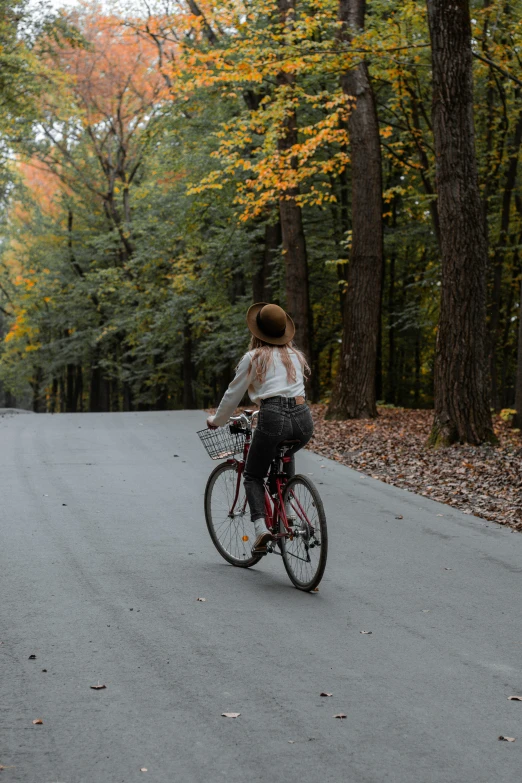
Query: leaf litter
x=506 y=739
x=230 y=714
x=98 y=687
x=482 y=480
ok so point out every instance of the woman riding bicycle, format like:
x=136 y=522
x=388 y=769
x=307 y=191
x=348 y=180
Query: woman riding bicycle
x=273 y=372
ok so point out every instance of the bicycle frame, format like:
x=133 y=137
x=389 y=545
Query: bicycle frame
x=275 y=510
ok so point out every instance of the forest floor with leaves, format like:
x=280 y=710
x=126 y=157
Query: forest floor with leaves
x=481 y=480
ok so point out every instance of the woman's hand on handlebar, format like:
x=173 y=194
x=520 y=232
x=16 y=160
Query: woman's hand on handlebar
x=210 y=423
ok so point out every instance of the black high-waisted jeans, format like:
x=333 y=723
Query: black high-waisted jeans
x=279 y=419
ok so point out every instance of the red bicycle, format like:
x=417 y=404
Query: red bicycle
x=293 y=507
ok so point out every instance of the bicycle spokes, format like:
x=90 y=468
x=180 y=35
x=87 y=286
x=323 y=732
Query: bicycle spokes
x=305 y=544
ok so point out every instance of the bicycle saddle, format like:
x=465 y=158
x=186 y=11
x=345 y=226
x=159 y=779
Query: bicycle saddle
x=289 y=442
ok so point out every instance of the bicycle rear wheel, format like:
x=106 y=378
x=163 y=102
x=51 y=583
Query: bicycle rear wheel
x=231 y=533
x=305 y=553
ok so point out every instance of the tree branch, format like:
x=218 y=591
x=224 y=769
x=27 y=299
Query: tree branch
x=497 y=67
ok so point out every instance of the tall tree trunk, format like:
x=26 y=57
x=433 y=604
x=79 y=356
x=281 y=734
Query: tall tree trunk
x=61 y=392
x=342 y=269
x=36 y=384
x=78 y=389
x=391 y=381
x=354 y=390
x=296 y=270
x=261 y=289
x=461 y=388
x=189 y=400
x=94 y=391
x=498 y=260
x=127 y=397
x=518 y=383
x=292 y=230
x=70 y=400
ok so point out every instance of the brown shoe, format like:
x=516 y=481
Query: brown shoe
x=261 y=541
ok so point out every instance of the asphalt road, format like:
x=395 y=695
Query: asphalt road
x=103 y=553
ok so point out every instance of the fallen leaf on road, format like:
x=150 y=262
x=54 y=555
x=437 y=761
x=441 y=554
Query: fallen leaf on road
x=506 y=739
x=98 y=687
x=399 y=516
x=514 y=698
x=230 y=714
x=341 y=715
x=38 y=722
x=325 y=694
x=291 y=742
x=201 y=599
x=32 y=657
x=367 y=633
x=143 y=769
x=315 y=590
x=44 y=670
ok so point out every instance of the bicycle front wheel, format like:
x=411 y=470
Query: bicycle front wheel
x=306 y=550
x=230 y=529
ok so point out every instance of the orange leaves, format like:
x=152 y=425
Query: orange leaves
x=116 y=74
x=251 y=143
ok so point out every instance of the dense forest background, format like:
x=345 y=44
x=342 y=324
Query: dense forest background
x=164 y=167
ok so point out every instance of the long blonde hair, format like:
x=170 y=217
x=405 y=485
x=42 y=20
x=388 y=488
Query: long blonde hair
x=264 y=355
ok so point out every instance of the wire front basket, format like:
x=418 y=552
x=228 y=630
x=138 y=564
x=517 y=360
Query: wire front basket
x=222 y=443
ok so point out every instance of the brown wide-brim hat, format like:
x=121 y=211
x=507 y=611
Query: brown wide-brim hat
x=270 y=323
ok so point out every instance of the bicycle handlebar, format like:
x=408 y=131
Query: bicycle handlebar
x=244 y=420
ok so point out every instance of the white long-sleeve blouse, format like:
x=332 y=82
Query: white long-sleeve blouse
x=275 y=384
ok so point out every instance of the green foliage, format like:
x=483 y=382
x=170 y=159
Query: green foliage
x=124 y=277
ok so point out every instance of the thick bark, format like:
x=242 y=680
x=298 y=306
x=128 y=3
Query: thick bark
x=296 y=271
x=292 y=230
x=354 y=389
x=461 y=388
x=518 y=383
x=498 y=260
x=261 y=289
